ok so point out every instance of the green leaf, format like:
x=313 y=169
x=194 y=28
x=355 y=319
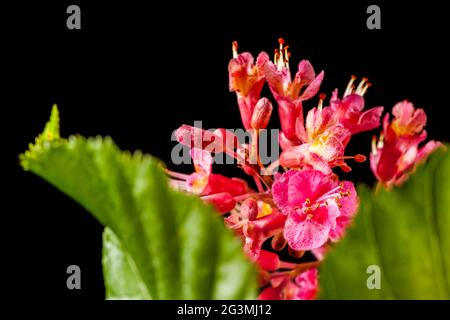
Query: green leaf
x=169 y=245
x=406 y=232
x=122 y=278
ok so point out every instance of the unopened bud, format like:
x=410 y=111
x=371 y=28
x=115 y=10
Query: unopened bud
x=223 y=202
x=261 y=114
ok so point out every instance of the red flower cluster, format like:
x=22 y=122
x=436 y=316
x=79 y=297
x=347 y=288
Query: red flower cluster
x=306 y=207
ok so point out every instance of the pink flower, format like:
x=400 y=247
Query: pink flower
x=349 y=110
x=397 y=152
x=313 y=202
x=247 y=80
x=326 y=133
x=323 y=153
x=289 y=93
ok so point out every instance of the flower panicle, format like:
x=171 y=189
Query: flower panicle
x=307 y=207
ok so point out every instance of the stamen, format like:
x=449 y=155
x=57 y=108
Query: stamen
x=360 y=85
x=335 y=192
x=364 y=89
x=282 y=55
x=357 y=157
x=234 y=48
x=179 y=185
x=177 y=175
x=374 y=145
x=286 y=56
x=350 y=87
x=276 y=57
x=360 y=158
x=380 y=143
x=321 y=99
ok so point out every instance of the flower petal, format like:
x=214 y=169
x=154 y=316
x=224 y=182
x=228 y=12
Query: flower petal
x=307 y=234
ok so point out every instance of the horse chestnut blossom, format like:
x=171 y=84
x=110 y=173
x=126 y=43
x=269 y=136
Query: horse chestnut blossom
x=307 y=207
x=313 y=203
x=397 y=151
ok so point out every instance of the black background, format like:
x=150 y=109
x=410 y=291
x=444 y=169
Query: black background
x=137 y=72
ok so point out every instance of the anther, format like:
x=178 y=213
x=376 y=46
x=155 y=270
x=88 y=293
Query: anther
x=360 y=158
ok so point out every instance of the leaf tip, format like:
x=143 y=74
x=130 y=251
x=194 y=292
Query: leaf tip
x=50 y=133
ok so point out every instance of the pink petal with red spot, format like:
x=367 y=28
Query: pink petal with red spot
x=304 y=233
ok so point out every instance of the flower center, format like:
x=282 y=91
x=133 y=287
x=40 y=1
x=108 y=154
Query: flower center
x=335 y=194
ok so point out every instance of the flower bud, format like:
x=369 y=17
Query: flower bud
x=261 y=114
x=223 y=202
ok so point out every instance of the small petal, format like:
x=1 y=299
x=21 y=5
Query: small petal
x=313 y=88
